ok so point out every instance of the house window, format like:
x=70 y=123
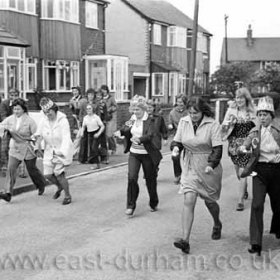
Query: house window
x=157 y=34
x=201 y=42
x=67 y=10
x=176 y=37
x=24 y=6
x=158 y=85
x=91 y=15
x=173 y=84
x=182 y=84
x=108 y=70
x=31 y=73
x=60 y=75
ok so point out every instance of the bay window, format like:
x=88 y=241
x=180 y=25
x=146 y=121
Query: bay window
x=67 y=10
x=60 y=75
x=24 y=6
x=108 y=70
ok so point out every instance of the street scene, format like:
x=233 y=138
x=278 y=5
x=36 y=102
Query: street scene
x=139 y=139
x=93 y=239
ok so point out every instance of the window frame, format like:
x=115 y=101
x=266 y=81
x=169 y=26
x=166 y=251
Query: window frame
x=58 y=66
x=88 y=6
x=157 y=36
x=5 y=6
x=180 y=36
x=31 y=63
x=163 y=83
x=56 y=12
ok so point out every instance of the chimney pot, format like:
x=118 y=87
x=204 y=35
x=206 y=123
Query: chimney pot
x=249 y=36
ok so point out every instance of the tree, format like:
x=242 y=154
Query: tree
x=268 y=77
x=223 y=80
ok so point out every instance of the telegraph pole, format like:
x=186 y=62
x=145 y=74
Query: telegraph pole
x=226 y=40
x=193 y=52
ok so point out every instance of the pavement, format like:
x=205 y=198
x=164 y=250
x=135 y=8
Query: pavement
x=76 y=169
x=92 y=238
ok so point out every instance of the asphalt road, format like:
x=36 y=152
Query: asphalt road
x=92 y=239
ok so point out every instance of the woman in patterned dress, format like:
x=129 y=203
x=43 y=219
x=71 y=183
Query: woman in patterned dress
x=238 y=121
x=199 y=138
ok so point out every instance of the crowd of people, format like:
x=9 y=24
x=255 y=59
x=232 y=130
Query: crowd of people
x=196 y=150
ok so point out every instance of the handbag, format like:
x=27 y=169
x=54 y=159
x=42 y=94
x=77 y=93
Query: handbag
x=250 y=166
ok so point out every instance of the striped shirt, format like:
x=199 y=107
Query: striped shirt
x=137 y=131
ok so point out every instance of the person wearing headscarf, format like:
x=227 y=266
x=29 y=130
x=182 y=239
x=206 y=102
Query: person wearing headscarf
x=21 y=127
x=264 y=141
x=58 y=151
x=139 y=132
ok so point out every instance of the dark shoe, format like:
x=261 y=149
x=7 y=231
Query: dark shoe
x=41 y=190
x=6 y=196
x=183 y=245
x=255 y=249
x=246 y=195
x=177 y=180
x=240 y=207
x=56 y=195
x=217 y=232
x=97 y=166
x=154 y=209
x=22 y=175
x=105 y=161
x=277 y=235
x=66 y=200
x=129 y=211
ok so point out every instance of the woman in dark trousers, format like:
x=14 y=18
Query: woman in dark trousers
x=139 y=134
x=265 y=139
x=21 y=127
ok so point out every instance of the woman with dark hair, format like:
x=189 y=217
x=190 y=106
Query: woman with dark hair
x=239 y=120
x=198 y=136
x=21 y=127
x=111 y=121
x=76 y=101
x=264 y=141
x=58 y=151
x=175 y=115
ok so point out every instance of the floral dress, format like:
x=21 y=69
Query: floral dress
x=242 y=126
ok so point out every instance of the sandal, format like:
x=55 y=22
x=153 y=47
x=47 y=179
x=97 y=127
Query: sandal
x=66 y=200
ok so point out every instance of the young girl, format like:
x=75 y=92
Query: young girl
x=94 y=126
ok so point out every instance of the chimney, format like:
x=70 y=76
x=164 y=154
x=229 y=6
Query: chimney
x=249 y=36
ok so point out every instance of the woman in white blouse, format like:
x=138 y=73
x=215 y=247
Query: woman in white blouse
x=139 y=132
x=94 y=126
x=265 y=139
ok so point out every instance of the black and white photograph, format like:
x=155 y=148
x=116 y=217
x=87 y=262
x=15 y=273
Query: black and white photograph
x=139 y=140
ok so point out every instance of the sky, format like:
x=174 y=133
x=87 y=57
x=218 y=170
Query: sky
x=264 y=17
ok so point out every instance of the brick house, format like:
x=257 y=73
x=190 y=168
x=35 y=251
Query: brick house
x=54 y=45
x=156 y=37
x=259 y=51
